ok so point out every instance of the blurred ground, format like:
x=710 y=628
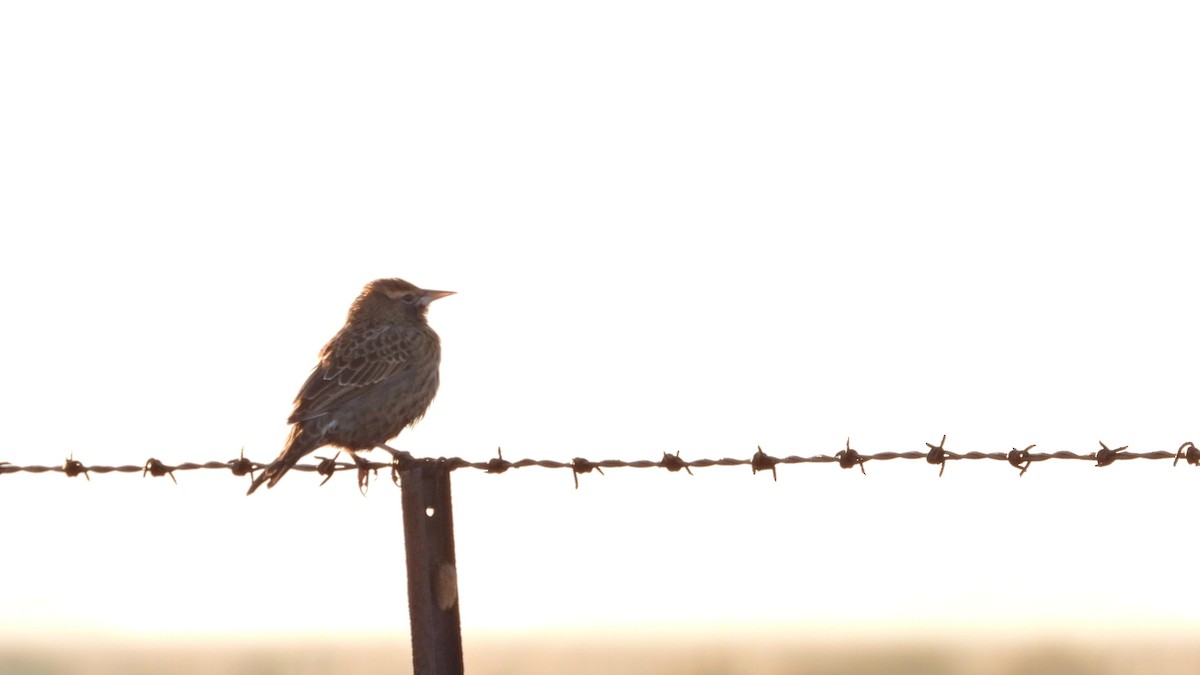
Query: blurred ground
x=533 y=655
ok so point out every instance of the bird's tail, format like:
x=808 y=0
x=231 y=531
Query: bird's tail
x=299 y=444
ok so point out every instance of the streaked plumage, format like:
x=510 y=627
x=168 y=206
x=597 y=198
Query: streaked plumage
x=377 y=376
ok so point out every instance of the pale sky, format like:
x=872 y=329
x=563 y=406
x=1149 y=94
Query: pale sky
x=696 y=227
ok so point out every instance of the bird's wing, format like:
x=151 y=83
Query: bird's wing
x=356 y=358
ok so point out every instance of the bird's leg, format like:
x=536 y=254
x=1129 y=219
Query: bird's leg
x=396 y=454
x=400 y=459
x=364 y=472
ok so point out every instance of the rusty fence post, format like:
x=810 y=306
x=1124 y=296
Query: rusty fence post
x=432 y=571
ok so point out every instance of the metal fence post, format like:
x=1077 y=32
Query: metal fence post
x=432 y=571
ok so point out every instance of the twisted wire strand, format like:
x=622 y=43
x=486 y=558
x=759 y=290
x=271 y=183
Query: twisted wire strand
x=847 y=458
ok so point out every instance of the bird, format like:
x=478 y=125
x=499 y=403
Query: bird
x=376 y=377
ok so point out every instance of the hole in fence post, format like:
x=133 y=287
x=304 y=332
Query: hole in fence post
x=432 y=569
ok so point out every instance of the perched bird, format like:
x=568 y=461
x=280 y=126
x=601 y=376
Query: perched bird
x=377 y=376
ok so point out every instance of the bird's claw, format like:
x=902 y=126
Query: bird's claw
x=400 y=460
x=364 y=473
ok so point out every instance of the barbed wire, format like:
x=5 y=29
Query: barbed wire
x=760 y=461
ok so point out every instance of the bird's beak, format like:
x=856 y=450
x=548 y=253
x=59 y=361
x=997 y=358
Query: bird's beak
x=430 y=296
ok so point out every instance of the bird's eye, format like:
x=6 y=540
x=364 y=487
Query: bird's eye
x=408 y=297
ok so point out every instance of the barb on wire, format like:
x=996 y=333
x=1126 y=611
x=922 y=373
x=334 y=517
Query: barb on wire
x=846 y=458
x=937 y=455
x=849 y=458
x=1106 y=456
x=1016 y=457
x=1193 y=454
x=242 y=466
x=761 y=461
x=157 y=468
x=73 y=467
x=580 y=465
x=674 y=463
x=499 y=464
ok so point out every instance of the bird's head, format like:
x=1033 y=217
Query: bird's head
x=384 y=298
